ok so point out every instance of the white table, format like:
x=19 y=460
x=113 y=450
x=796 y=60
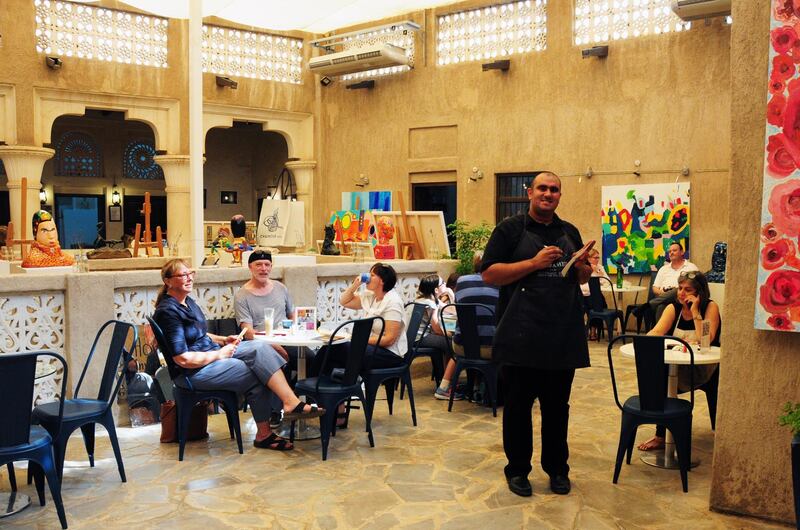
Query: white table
x=606 y=288
x=711 y=355
x=301 y=340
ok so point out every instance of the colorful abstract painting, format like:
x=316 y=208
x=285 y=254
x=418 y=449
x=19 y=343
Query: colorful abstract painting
x=640 y=222
x=778 y=283
x=367 y=200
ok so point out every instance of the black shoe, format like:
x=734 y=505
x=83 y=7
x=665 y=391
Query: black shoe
x=520 y=485
x=559 y=484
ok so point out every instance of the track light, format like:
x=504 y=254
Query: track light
x=223 y=81
x=595 y=51
x=502 y=65
x=368 y=84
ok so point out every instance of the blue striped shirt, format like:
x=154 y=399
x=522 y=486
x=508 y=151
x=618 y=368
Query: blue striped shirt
x=471 y=289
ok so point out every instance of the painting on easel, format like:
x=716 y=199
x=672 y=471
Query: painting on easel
x=367 y=200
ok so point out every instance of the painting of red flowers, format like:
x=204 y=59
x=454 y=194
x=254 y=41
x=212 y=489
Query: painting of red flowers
x=778 y=283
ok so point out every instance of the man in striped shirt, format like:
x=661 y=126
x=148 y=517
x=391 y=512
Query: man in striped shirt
x=471 y=289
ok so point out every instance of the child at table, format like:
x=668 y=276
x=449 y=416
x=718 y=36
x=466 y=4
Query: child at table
x=684 y=319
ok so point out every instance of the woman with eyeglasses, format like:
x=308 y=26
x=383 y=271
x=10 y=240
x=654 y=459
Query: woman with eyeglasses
x=684 y=319
x=215 y=362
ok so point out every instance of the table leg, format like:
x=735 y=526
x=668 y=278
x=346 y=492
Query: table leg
x=303 y=430
x=668 y=459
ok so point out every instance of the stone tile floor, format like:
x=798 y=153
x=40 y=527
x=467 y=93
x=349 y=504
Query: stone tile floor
x=446 y=473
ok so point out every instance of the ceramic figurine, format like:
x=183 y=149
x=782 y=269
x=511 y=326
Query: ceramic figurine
x=45 y=250
x=239 y=243
x=328 y=247
x=718 y=260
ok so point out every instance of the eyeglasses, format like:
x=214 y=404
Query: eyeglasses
x=185 y=276
x=690 y=275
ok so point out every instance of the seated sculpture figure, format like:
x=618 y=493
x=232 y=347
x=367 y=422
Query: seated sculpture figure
x=45 y=250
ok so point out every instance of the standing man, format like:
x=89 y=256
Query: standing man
x=666 y=282
x=260 y=293
x=540 y=338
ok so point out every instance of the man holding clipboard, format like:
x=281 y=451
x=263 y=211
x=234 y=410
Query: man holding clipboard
x=540 y=338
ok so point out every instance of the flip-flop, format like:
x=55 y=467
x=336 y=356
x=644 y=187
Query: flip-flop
x=299 y=412
x=274 y=442
x=651 y=445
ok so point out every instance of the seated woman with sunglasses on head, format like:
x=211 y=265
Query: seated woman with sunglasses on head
x=214 y=362
x=684 y=319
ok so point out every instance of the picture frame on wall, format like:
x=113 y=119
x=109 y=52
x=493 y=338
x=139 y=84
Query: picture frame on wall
x=115 y=213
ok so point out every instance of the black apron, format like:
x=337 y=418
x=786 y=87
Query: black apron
x=542 y=326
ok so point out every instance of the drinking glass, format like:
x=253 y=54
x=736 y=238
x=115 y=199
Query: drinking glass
x=269 y=314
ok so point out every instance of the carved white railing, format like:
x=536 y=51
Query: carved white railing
x=329 y=311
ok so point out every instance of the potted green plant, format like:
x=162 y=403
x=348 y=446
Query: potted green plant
x=791 y=418
x=468 y=240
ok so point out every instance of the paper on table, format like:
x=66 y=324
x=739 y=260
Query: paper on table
x=586 y=248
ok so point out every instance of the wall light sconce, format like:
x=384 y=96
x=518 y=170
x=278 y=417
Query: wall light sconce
x=595 y=51
x=54 y=63
x=224 y=82
x=361 y=181
x=368 y=84
x=116 y=198
x=42 y=196
x=325 y=80
x=477 y=175
x=503 y=65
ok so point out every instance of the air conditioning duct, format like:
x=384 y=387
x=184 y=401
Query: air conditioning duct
x=699 y=9
x=359 y=59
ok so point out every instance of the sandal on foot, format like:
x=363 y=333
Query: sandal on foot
x=300 y=412
x=655 y=443
x=341 y=420
x=274 y=442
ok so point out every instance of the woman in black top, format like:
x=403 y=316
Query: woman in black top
x=214 y=362
x=684 y=319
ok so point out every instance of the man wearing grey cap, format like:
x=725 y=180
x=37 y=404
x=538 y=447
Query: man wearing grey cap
x=260 y=293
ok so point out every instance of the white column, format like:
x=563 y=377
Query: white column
x=24 y=161
x=303 y=171
x=179 y=194
x=196 y=139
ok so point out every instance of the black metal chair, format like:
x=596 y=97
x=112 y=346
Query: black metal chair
x=418 y=327
x=86 y=412
x=330 y=391
x=643 y=312
x=467 y=320
x=374 y=377
x=223 y=326
x=599 y=311
x=20 y=439
x=651 y=405
x=187 y=398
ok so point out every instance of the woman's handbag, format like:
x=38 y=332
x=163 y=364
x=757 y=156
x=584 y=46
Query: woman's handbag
x=198 y=422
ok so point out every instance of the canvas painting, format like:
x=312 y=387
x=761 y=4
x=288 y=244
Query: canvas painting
x=367 y=200
x=352 y=225
x=778 y=282
x=640 y=222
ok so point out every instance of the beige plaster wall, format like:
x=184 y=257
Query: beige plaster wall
x=23 y=68
x=663 y=100
x=752 y=470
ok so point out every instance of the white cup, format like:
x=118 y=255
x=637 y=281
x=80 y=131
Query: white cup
x=269 y=314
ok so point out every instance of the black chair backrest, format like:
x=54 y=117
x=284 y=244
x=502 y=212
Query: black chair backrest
x=649 y=353
x=415 y=322
x=650 y=293
x=120 y=349
x=166 y=350
x=357 y=349
x=17 y=374
x=467 y=320
x=222 y=326
x=597 y=301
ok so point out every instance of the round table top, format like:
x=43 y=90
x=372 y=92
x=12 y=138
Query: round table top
x=624 y=289
x=709 y=355
x=308 y=339
x=44 y=369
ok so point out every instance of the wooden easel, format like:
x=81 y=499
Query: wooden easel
x=147 y=243
x=22 y=241
x=409 y=247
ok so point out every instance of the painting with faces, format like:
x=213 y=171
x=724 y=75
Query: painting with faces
x=639 y=223
x=778 y=282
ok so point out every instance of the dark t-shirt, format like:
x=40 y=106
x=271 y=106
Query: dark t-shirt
x=540 y=317
x=506 y=237
x=184 y=327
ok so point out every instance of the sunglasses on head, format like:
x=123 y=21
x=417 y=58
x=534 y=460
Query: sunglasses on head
x=691 y=275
